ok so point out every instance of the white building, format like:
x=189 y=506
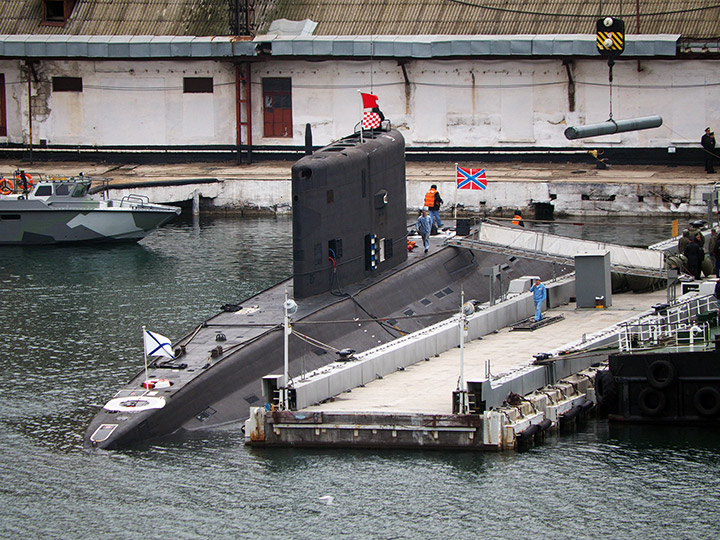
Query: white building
x=450 y=94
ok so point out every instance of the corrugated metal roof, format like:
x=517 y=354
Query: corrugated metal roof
x=123 y=17
x=689 y=18
x=501 y=17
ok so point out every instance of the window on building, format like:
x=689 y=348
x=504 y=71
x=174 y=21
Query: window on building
x=67 y=84
x=277 y=107
x=198 y=85
x=3 y=115
x=56 y=12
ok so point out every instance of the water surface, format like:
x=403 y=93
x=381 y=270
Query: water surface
x=72 y=335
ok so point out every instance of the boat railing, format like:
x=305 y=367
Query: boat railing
x=135 y=200
x=680 y=322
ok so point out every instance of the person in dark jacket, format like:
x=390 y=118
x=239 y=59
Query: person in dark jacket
x=708 y=144
x=695 y=254
x=683 y=242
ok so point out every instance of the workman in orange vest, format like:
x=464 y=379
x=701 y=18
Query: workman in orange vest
x=517 y=219
x=433 y=202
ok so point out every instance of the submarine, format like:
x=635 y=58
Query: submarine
x=356 y=285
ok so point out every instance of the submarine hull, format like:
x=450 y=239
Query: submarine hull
x=355 y=283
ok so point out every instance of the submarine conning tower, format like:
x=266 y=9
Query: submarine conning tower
x=349 y=212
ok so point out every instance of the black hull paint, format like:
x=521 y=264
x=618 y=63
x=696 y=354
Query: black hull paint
x=664 y=387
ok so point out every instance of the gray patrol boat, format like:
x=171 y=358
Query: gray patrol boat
x=43 y=211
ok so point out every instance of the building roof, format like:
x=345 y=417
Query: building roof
x=123 y=17
x=157 y=47
x=690 y=18
x=698 y=19
x=448 y=46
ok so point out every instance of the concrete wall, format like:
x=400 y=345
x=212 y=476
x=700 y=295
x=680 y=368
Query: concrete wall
x=575 y=198
x=274 y=196
x=502 y=103
x=129 y=103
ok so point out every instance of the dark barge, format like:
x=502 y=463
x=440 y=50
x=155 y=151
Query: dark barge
x=676 y=383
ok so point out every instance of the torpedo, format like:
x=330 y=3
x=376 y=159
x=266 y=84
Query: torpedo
x=613 y=126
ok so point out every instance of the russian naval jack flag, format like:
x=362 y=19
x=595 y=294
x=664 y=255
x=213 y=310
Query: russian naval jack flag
x=471 y=178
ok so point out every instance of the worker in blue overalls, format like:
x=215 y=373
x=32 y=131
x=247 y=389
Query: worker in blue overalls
x=539 y=296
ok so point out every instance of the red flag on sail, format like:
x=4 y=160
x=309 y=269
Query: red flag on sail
x=372 y=116
x=369 y=100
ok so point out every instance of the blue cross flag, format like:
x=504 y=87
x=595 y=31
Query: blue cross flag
x=471 y=178
x=157 y=345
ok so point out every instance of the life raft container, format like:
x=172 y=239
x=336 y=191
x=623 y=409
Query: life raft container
x=151 y=384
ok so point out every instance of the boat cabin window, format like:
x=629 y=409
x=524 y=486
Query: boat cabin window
x=80 y=190
x=43 y=191
x=62 y=189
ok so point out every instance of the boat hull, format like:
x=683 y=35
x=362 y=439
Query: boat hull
x=662 y=387
x=48 y=226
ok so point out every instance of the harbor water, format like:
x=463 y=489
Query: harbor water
x=71 y=335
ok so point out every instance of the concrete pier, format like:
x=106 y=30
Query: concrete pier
x=415 y=405
x=264 y=187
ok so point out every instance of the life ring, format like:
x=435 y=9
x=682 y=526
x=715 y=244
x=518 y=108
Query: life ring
x=6 y=186
x=134 y=404
x=707 y=401
x=661 y=374
x=19 y=178
x=652 y=401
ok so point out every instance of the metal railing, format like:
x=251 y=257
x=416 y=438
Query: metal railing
x=135 y=200
x=669 y=324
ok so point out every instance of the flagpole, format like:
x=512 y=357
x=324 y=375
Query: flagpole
x=361 y=116
x=145 y=355
x=456 y=190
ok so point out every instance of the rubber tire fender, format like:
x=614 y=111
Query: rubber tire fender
x=606 y=390
x=707 y=393
x=652 y=401
x=528 y=434
x=661 y=374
